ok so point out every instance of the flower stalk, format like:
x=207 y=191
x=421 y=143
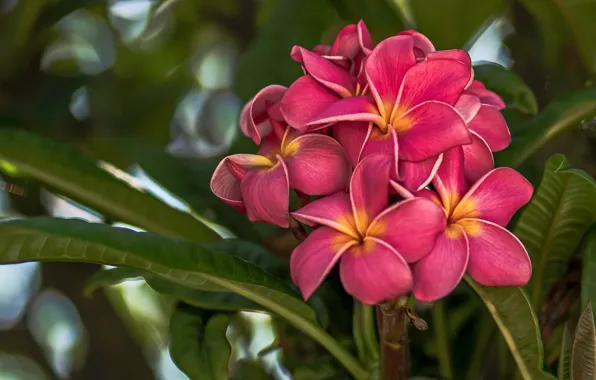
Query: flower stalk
x=395 y=355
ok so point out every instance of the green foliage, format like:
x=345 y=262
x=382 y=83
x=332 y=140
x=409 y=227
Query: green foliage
x=588 y=292
x=583 y=354
x=198 y=343
x=564 y=360
x=553 y=223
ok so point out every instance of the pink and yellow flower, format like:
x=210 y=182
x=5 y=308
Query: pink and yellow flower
x=259 y=184
x=261 y=115
x=475 y=239
x=373 y=242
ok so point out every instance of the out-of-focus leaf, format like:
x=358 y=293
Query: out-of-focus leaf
x=588 y=292
x=198 y=343
x=583 y=353
x=564 y=359
x=562 y=115
x=75 y=175
x=564 y=21
x=381 y=19
x=554 y=222
x=513 y=314
x=508 y=85
x=450 y=24
x=249 y=370
x=267 y=61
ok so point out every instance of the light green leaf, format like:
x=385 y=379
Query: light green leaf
x=563 y=115
x=552 y=225
x=583 y=353
x=507 y=84
x=588 y=291
x=68 y=171
x=512 y=312
x=564 y=359
x=198 y=343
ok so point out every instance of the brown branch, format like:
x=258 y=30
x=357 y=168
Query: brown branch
x=395 y=355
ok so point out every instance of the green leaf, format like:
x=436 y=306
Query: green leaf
x=564 y=359
x=75 y=175
x=198 y=343
x=563 y=115
x=583 y=353
x=508 y=85
x=450 y=24
x=512 y=312
x=588 y=291
x=382 y=20
x=179 y=261
x=552 y=225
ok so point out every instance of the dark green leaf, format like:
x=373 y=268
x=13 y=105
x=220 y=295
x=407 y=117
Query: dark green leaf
x=564 y=359
x=554 y=222
x=563 y=115
x=198 y=344
x=381 y=19
x=583 y=353
x=508 y=85
x=450 y=24
x=75 y=175
x=512 y=312
x=589 y=269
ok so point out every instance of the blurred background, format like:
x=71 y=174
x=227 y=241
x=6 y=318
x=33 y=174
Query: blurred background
x=155 y=88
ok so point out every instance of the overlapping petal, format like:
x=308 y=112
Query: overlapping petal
x=334 y=211
x=352 y=136
x=450 y=182
x=478 y=159
x=492 y=127
x=468 y=105
x=256 y=116
x=303 y=100
x=374 y=272
x=415 y=176
x=356 y=108
x=378 y=142
x=486 y=96
x=422 y=45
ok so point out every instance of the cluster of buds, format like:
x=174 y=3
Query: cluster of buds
x=367 y=124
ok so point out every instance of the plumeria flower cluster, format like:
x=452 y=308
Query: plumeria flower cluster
x=392 y=148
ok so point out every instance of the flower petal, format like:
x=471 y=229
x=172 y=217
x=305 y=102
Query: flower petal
x=495 y=197
x=497 y=257
x=458 y=55
x=351 y=41
x=266 y=195
x=385 y=68
x=366 y=43
x=415 y=176
x=321 y=49
x=440 y=80
x=486 y=96
x=254 y=119
x=325 y=72
x=432 y=128
x=410 y=226
x=385 y=143
x=314 y=258
x=334 y=211
x=352 y=136
x=422 y=45
x=439 y=272
x=374 y=272
x=450 y=182
x=478 y=159
x=369 y=189
x=468 y=105
x=317 y=165
x=492 y=127
x=304 y=99
x=356 y=108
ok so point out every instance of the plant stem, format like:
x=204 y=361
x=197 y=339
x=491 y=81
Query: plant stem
x=442 y=340
x=365 y=333
x=395 y=357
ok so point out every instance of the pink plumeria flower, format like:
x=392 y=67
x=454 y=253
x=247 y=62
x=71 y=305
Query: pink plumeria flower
x=259 y=184
x=480 y=109
x=261 y=116
x=475 y=239
x=374 y=242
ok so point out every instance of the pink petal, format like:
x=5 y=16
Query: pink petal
x=303 y=100
x=266 y=195
x=417 y=175
x=364 y=38
x=478 y=159
x=410 y=226
x=385 y=68
x=334 y=211
x=385 y=143
x=455 y=54
x=225 y=182
x=468 y=105
x=270 y=145
x=422 y=45
x=495 y=197
x=374 y=272
x=439 y=80
x=352 y=135
x=321 y=49
x=317 y=165
x=497 y=257
x=325 y=72
x=486 y=96
x=356 y=108
x=369 y=189
x=433 y=127
x=429 y=194
x=254 y=119
x=492 y=127
x=312 y=260
x=399 y=189
x=346 y=43
x=438 y=273
x=450 y=182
